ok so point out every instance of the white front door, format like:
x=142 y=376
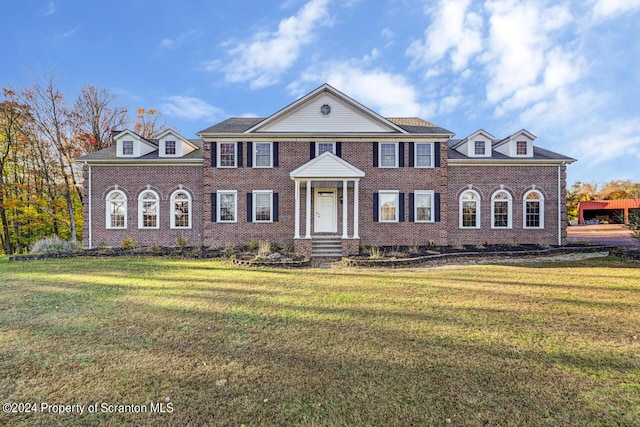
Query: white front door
x=326 y=220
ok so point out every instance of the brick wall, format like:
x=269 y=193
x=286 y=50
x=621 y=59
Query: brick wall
x=517 y=180
x=133 y=180
x=293 y=154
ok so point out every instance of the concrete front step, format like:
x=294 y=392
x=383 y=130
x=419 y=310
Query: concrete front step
x=326 y=247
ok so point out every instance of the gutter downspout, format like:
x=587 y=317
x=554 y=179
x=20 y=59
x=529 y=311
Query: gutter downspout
x=559 y=204
x=90 y=210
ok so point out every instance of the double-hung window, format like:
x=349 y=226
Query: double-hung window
x=533 y=209
x=263 y=155
x=423 y=155
x=170 y=148
x=388 y=206
x=227 y=155
x=180 y=209
x=501 y=210
x=127 y=148
x=228 y=206
x=321 y=147
x=469 y=209
x=148 y=209
x=263 y=206
x=423 y=206
x=479 y=148
x=116 y=209
x=521 y=148
x=388 y=155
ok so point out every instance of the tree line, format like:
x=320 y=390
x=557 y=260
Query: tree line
x=40 y=135
x=612 y=190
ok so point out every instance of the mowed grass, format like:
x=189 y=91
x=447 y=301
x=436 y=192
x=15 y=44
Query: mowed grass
x=535 y=344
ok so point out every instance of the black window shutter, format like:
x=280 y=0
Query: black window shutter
x=312 y=150
x=339 y=149
x=249 y=207
x=276 y=154
x=375 y=207
x=401 y=210
x=436 y=207
x=214 y=155
x=249 y=154
x=375 y=154
x=412 y=154
x=214 y=210
x=276 y=215
x=400 y=154
x=412 y=204
x=436 y=154
x=239 y=156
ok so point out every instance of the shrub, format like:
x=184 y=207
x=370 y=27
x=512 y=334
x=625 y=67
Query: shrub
x=53 y=245
x=634 y=223
x=253 y=245
x=264 y=248
x=375 y=252
x=181 y=242
x=127 y=243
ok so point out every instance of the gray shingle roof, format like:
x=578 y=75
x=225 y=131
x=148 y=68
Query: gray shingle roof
x=233 y=125
x=538 y=154
x=109 y=154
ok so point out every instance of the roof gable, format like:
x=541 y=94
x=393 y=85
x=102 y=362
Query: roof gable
x=327 y=165
x=326 y=110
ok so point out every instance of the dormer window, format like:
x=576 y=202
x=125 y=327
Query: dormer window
x=521 y=148
x=479 y=148
x=127 y=148
x=170 y=148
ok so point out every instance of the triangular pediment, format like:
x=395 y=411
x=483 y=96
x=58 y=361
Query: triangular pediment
x=327 y=165
x=326 y=110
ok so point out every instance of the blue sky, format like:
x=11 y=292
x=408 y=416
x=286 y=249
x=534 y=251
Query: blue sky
x=567 y=71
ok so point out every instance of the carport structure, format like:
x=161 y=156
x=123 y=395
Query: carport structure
x=600 y=208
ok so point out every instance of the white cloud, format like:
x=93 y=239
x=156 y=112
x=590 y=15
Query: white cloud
x=454 y=30
x=191 y=108
x=616 y=139
x=262 y=60
x=521 y=50
x=51 y=9
x=603 y=9
x=388 y=94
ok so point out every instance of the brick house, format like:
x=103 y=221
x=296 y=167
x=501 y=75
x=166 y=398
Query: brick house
x=325 y=173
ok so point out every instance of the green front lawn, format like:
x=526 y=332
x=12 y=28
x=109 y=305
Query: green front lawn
x=555 y=344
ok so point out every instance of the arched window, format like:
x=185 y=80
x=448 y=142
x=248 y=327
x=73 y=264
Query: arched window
x=501 y=210
x=116 y=214
x=180 y=209
x=470 y=209
x=533 y=209
x=148 y=209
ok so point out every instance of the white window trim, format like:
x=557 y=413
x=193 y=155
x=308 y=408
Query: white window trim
x=415 y=155
x=255 y=206
x=164 y=149
x=415 y=205
x=524 y=210
x=396 y=193
x=509 y=210
x=133 y=149
x=333 y=147
x=460 y=213
x=235 y=206
x=255 y=155
x=219 y=154
x=140 y=215
x=395 y=144
x=173 y=210
x=108 y=225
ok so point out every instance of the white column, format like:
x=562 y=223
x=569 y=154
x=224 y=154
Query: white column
x=308 y=222
x=297 y=213
x=344 y=209
x=355 y=209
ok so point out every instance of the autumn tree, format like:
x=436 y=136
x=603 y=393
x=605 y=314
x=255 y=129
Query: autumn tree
x=53 y=130
x=95 y=116
x=147 y=123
